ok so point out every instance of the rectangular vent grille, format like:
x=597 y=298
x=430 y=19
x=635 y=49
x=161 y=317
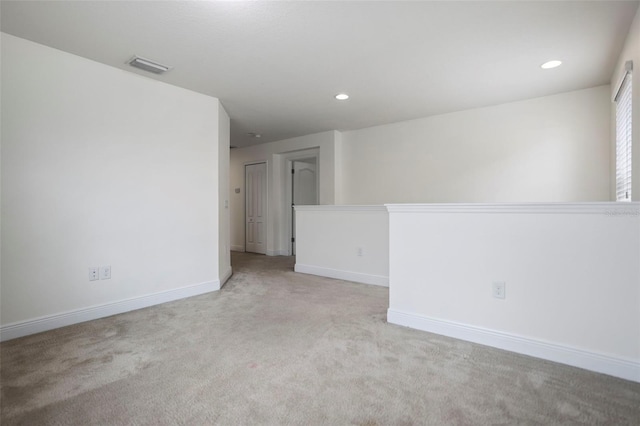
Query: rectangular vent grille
x=147 y=65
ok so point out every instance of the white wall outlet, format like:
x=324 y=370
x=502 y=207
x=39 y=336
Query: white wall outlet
x=359 y=251
x=93 y=273
x=499 y=289
x=105 y=272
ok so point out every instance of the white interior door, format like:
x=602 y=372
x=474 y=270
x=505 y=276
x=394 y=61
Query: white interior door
x=256 y=207
x=304 y=190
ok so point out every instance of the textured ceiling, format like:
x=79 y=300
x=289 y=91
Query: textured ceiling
x=276 y=65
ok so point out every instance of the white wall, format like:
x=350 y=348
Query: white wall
x=554 y=148
x=274 y=154
x=328 y=239
x=630 y=52
x=550 y=149
x=571 y=271
x=224 y=224
x=101 y=167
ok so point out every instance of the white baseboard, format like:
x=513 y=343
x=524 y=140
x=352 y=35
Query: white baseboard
x=37 y=325
x=618 y=367
x=267 y=253
x=343 y=275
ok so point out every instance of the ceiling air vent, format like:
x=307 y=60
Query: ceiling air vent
x=147 y=65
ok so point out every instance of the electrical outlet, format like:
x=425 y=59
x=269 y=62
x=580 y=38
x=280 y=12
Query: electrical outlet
x=93 y=273
x=105 y=272
x=499 y=289
x=359 y=251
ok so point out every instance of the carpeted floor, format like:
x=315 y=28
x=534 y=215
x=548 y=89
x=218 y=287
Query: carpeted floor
x=276 y=347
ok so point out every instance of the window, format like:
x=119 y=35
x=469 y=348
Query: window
x=623 y=136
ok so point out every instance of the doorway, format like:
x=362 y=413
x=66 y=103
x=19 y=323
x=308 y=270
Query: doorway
x=255 y=208
x=304 y=189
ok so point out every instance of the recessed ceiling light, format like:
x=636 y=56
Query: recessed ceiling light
x=551 y=64
x=342 y=96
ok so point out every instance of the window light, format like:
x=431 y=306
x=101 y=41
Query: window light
x=622 y=99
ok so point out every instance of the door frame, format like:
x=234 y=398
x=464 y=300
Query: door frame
x=289 y=159
x=266 y=202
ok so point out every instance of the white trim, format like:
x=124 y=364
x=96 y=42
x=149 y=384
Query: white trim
x=341 y=208
x=628 y=68
x=287 y=158
x=37 y=325
x=237 y=248
x=252 y=162
x=343 y=275
x=603 y=208
x=624 y=368
x=299 y=154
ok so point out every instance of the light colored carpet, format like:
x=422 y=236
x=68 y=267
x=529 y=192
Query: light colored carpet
x=276 y=347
